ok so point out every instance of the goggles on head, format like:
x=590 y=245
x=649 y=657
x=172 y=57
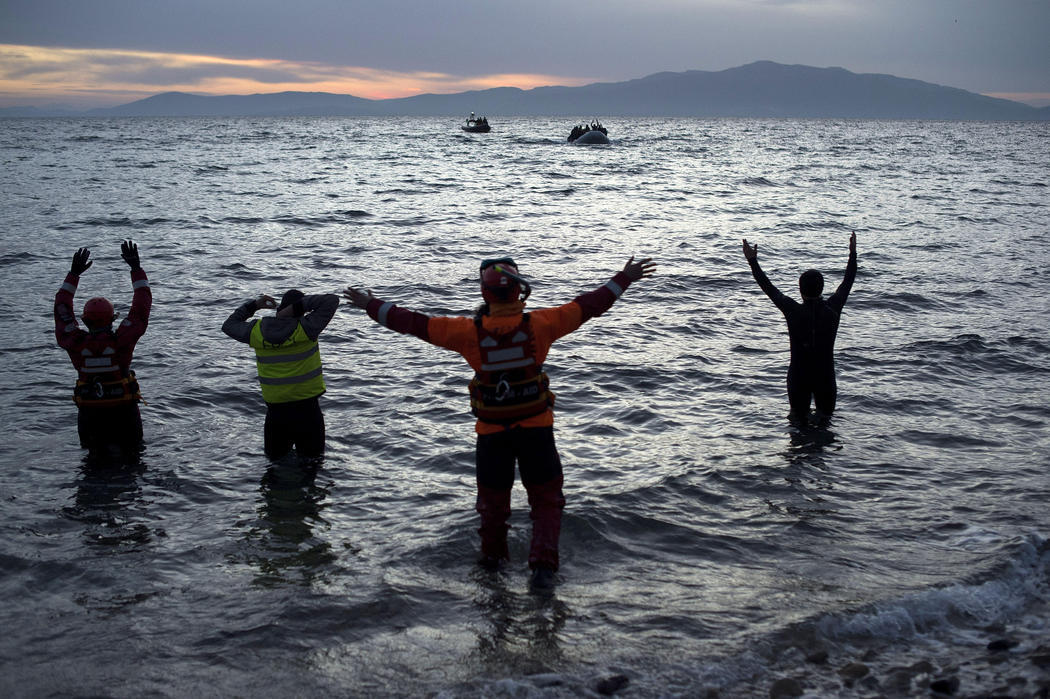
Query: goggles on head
x=485 y=264
x=504 y=266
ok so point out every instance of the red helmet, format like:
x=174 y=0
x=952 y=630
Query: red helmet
x=98 y=312
x=500 y=281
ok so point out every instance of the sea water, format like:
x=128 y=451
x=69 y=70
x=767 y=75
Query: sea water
x=709 y=547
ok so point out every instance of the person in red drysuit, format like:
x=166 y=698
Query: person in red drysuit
x=106 y=392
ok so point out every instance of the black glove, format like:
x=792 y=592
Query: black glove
x=80 y=262
x=130 y=252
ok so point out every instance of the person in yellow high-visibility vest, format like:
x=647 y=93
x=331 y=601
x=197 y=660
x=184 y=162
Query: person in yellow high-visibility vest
x=288 y=359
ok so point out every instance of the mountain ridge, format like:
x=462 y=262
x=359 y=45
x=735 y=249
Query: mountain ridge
x=758 y=89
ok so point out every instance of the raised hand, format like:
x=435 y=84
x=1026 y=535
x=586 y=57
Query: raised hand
x=130 y=252
x=81 y=262
x=357 y=297
x=853 y=243
x=643 y=268
x=750 y=251
x=265 y=301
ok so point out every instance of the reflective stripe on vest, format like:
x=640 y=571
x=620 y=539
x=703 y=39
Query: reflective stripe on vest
x=98 y=365
x=513 y=357
x=510 y=385
x=289 y=371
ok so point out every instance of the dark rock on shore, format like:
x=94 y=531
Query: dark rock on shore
x=785 y=687
x=608 y=686
x=945 y=685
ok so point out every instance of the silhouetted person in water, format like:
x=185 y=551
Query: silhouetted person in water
x=812 y=326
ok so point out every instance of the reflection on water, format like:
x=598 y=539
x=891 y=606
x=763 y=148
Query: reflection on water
x=108 y=499
x=810 y=441
x=287 y=548
x=523 y=630
x=807 y=473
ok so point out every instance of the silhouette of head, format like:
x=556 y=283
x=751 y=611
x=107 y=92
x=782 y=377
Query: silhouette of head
x=291 y=304
x=811 y=284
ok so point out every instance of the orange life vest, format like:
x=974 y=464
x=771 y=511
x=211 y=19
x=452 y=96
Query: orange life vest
x=101 y=382
x=100 y=393
x=510 y=386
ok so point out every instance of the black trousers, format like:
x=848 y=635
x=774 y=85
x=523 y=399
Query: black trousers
x=119 y=426
x=298 y=424
x=816 y=385
x=541 y=473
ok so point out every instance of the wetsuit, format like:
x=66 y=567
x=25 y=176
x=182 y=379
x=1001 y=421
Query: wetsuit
x=104 y=358
x=530 y=440
x=812 y=326
x=293 y=412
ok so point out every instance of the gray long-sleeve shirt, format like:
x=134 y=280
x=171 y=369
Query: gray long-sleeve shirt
x=318 y=311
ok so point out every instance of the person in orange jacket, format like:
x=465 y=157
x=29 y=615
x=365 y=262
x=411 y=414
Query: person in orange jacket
x=506 y=347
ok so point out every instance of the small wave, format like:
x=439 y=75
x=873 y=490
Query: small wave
x=17 y=257
x=758 y=182
x=1005 y=592
x=947 y=440
x=995 y=357
x=744 y=349
x=334 y=217
x=910 y=640
x=235 y=267
x=919 y=224
x=401 y=190
x=816 y=226
x=243 y=219
x=903 y=302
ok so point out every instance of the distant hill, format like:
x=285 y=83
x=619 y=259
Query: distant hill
x=761 y=89
x=272 y=104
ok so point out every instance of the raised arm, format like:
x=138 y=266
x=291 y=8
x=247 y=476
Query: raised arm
x=66 y=327
x=838 y=299
x=134 y=326
x=319 y=310
x=238 y=326
x=387 y=314
x=596 y=302
x=566 y=318
x=774 y=294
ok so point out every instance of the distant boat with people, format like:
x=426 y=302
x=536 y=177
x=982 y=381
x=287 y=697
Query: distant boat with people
x=593 y=132
x=477 y=124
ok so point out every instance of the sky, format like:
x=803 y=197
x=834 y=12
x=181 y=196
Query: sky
x=97 y=53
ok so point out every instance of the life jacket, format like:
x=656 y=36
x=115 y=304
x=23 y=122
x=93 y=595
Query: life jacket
x=101 y=382
x=98 y=393
x=288 y=371
x=510 y=386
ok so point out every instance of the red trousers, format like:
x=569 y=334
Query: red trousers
x=540 y=467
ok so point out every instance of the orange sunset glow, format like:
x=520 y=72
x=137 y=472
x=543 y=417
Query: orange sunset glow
x=118 y=76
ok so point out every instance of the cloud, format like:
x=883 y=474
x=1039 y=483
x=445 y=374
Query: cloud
x=114 y=76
